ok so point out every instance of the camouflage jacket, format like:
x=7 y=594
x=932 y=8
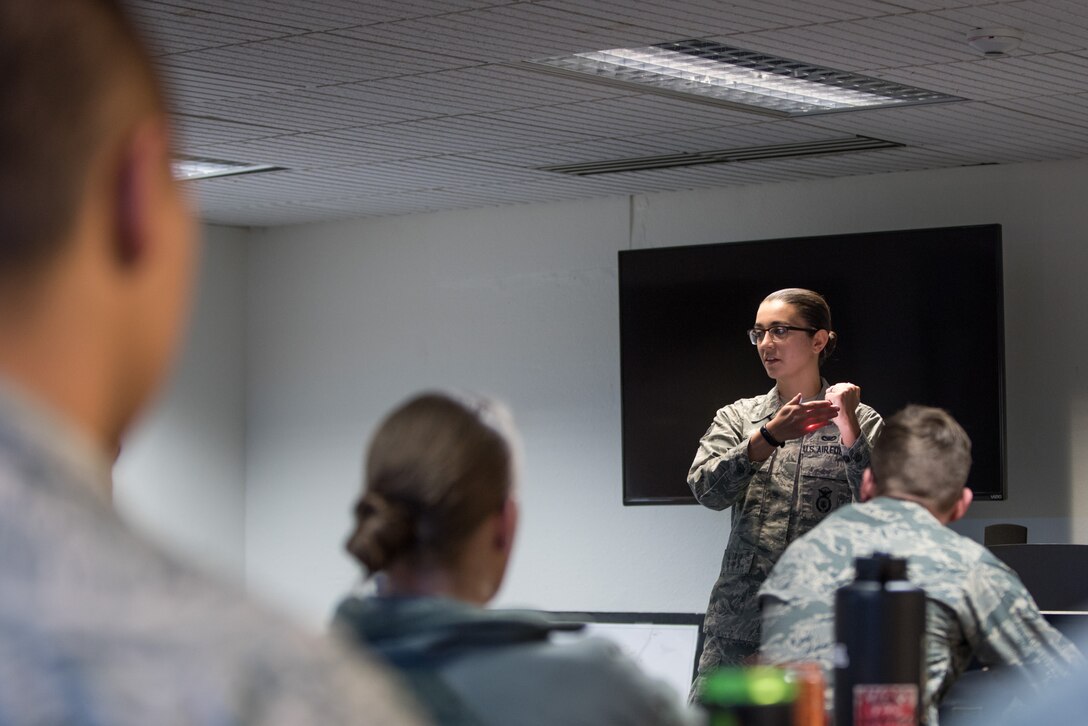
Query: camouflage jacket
x=99 y=626
x=774 y=501
x=976 y=605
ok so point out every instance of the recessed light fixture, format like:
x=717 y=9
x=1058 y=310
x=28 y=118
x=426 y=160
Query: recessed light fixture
x=705 y=71
x=188 y=168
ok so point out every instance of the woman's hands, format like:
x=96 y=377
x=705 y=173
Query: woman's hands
x=846 y=397
x=795 y=419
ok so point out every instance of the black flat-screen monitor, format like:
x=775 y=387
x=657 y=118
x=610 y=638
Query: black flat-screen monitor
x=919 y=314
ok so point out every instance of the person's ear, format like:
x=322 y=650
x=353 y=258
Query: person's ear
x=868 y=485
x=507 y=525
x=144 y=153
x=819 y=340
x=962 y=504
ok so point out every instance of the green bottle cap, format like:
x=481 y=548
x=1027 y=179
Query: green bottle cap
x=754 y=686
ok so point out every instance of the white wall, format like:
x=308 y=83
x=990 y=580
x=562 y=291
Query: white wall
x=519 y=302
x=181 y=475
x=347 y=319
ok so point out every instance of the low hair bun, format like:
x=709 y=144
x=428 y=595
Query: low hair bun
x=437 y=468
x=384 y=531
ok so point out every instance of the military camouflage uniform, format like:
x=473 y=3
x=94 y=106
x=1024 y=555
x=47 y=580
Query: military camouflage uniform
x=774 y=502
x=99 y=626
x=976 y=605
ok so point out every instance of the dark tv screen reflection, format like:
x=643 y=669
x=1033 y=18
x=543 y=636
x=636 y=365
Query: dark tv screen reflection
x=919 y=315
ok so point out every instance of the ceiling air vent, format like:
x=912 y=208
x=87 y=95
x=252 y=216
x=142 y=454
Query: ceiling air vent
x=750 y=153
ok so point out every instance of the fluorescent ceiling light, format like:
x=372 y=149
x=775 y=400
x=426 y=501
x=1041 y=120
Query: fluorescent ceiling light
x=189 y=168
x=706 y=71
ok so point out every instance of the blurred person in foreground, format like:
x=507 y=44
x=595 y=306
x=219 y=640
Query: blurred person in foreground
x=97 y=625
x=434 y=527
x=975 y=605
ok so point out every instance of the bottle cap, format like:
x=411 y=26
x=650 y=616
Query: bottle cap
x=753 y=686
x=881 y=567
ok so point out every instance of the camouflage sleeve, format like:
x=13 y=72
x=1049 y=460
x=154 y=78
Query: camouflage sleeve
x=857 y=456
x=1008 y=628
x=721 y=471
x=946 y=655
x=799 y=632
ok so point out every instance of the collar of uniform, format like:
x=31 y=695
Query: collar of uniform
x=767 y=405
x=30 y=429
x=917 y=511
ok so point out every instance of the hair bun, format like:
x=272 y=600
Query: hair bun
x=385 y=530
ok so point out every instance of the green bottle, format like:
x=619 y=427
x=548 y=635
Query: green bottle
x=755 y=696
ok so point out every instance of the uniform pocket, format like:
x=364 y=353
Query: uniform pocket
x=734 y=562
x=820 y=497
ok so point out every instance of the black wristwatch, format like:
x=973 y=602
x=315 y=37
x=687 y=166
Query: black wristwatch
x=770 y=439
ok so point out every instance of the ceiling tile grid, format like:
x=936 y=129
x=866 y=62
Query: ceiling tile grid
x=314 y=60
x=318 y=15
x=479 y=89
x=386 y=107
x=181 y=28
x=303 y=111
x=188 y=87
x=517 y=32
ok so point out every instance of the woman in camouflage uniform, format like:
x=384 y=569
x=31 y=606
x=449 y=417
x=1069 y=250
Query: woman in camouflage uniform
x=782 y=461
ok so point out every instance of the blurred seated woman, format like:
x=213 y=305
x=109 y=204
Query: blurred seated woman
x=434 y=529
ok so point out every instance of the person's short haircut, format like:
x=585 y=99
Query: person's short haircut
x=73 y=74
x=924 y=454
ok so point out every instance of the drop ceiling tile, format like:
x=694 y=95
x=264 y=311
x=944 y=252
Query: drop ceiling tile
x=792 y=13
x=762 y=134
x=456 y=134
x=193 y=132
x=625 y=116
x=310 y=187
x=314 y=60
x=1010 y=77
x=303 y=151
x=478 y=89
x=302 y=111
x=315 y=15
x=421 y=105
x=988 y=132
x=517 y=32
x=676 y=21
x=574 y=153
x=176 y=28
x=662 y=142
x=933 y=5
x=1047 y=25
x=866 y=45
x=187 y=87
x=1071 y=110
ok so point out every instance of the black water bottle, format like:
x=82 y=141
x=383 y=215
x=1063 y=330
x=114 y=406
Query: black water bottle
x=880 y=622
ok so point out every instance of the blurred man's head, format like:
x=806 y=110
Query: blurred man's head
x=922 y=455
x=96 y=242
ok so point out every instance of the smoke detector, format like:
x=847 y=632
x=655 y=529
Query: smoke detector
x=994 y=42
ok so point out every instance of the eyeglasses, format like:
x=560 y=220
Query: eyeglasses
x=778 y=333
